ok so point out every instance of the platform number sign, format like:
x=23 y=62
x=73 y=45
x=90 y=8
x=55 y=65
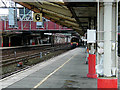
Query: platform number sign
x=37 y=17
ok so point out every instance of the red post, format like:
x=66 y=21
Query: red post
x=2 y=44
x=33 y=43
x=91 y=66
x=9 y=44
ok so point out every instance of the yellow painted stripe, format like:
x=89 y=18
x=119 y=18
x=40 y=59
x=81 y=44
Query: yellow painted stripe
x=52 y=73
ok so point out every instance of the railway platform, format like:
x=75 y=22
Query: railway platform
x=67 y=70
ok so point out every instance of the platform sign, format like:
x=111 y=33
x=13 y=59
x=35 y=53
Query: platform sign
x=37 y=17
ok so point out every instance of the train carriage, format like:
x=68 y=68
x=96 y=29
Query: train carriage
x=74 y=42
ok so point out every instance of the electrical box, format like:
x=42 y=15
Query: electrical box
x=91 y=36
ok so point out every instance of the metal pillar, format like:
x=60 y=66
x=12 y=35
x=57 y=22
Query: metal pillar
x=115 y=38
x=92 y=27
x=108 y=14
x=30 y=25
x=107 y=39
x=100 y=29
x=92 y=23
x=67 y=39
x=52 y=40
x=92 y=57
x=1 y=41
x=92 y=49
x=9 y=41
x=38 y=40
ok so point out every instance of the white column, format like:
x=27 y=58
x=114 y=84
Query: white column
x=100 y=29
x=113 y=35
x=101 y=33
x=107 y=38
x=107 y=34
x=116 y=48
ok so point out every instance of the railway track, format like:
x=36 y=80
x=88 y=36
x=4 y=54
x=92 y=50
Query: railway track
x=11 y=52
x=14 y=58
x=29 y=55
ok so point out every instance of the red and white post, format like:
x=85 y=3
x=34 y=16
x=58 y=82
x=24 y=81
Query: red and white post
x=107 y=28
x=91 y=38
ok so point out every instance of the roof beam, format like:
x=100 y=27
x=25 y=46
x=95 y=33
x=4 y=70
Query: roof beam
x=71 y=9
x=55 y=17
x=63 y=21
x=53 y=8
x=33 y=8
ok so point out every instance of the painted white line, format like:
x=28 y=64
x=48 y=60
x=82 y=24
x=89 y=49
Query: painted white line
x=52 y=73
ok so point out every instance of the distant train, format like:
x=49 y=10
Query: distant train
x=74 y=42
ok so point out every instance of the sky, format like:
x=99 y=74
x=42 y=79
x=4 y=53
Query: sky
x=4 y=11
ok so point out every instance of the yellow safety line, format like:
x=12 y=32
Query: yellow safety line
x=52 y=73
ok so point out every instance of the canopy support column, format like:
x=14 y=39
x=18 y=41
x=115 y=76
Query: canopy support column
x=108 y=77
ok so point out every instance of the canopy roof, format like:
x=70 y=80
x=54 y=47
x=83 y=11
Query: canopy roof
x=74 y=15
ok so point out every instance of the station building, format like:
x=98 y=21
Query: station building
x=22 y=30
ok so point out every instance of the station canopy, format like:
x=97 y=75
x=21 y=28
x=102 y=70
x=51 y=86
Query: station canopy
x=76 y=14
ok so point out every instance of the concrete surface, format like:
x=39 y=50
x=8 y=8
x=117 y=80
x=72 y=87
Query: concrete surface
x=73 y=74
